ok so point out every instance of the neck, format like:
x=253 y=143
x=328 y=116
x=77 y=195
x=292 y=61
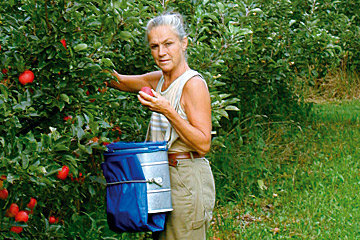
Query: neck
x=172 y=75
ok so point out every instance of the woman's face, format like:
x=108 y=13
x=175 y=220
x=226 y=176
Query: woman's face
x=167 y=49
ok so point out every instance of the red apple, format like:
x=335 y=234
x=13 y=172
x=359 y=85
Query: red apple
x=13 y=210
x=26 y=77
x=16 y=229
x=4 y=194
x=22 y=216
x=63 y=173
x=32 y=203
x=68 y=118
x=147 y=90
x=52 y=219
x=63 y=42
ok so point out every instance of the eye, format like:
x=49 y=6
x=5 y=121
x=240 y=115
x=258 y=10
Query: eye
x=168 y=44
x=153 y=47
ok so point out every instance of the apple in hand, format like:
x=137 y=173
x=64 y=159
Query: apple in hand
x=147 y=90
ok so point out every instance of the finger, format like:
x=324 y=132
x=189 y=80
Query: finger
x=143 y=101
x=156 y=94
x=145 y=95
x=115 y=74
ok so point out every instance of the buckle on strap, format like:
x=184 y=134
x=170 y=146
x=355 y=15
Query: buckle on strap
x=174 y=157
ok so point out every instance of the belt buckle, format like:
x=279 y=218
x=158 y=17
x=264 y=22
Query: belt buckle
x=173 y=162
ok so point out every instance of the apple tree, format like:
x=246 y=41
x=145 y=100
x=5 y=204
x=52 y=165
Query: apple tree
x=58 y=114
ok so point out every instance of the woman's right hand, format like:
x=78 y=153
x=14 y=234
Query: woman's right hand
x=157 y=103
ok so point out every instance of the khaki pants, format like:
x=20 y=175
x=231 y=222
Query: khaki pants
x=193 y=200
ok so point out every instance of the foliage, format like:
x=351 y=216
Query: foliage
x=68 y=114
x=302 y=184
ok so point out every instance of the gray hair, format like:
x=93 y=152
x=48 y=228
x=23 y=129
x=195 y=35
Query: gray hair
x=174 y=20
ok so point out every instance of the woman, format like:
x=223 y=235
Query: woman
x=182 y=116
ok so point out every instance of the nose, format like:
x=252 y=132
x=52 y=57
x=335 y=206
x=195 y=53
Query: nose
x=161 y=50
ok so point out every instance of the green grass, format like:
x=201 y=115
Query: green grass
x=298 y=183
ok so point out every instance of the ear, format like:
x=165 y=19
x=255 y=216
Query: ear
x=184 y=43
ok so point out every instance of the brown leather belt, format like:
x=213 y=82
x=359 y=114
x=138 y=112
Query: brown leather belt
x=173 y=157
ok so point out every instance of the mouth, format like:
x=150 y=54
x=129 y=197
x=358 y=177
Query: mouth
x=164 y=61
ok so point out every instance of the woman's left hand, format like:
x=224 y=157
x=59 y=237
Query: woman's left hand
x=157 y=103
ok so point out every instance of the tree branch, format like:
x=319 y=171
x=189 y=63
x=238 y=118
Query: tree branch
x=46 y=16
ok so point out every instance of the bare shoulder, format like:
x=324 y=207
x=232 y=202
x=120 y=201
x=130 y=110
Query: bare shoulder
x=195 y=85
x=153 y=78
x=195 y=93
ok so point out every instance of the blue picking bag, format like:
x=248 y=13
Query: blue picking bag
x=137 y=177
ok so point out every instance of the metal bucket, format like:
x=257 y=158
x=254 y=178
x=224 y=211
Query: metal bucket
x=153 y=157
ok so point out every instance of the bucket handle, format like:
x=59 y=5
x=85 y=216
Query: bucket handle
x=158 y=181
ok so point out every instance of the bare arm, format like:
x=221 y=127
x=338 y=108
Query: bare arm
x=133 y=83
x=197 y=105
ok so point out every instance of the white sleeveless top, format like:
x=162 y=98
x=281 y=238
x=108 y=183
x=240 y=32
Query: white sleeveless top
x=159 y=127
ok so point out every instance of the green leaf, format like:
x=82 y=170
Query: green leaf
x=97 y=45
x=80 y=47
x=212 y=17
x=125 y=35
x=22 y=105
x=93 y=67
x=291 y=22
x=256 y=10
x=4 y=91
x=80 y=121
x=46 y=182
x=92 y=191
x=223 y=113
x=245 y=31
x=59 y=148
x=107 y=62
x=80 y=133
x=231 y=108
x=60 y=105
x=86 y=149
x=65 y=98
x=25 y=161
x=261 y=184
